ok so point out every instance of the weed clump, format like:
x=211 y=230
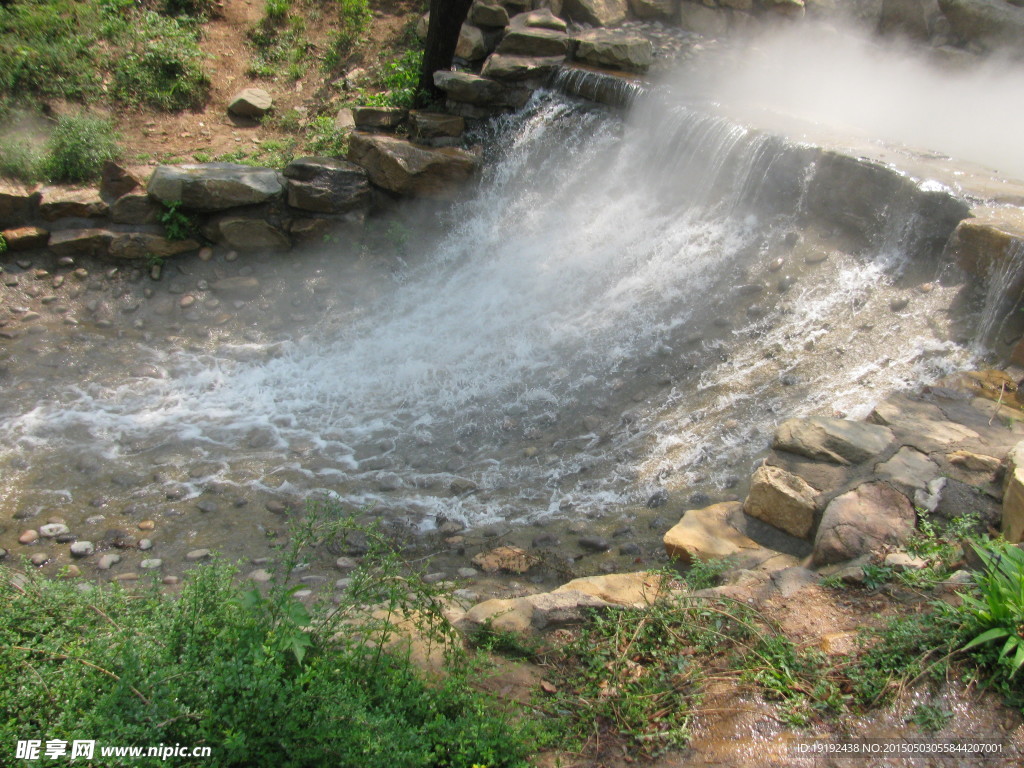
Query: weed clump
x=78 y=148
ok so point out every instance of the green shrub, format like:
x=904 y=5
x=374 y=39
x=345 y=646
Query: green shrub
x=78 y=148
x=177 y=225
x=322 y=138
x=162 y=67
x=20 y=160
x=196 y=9
x=254 y=674
x=3 y=244
x=354 y=17
x=399 y=81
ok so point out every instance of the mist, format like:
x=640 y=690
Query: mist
x=843 y=83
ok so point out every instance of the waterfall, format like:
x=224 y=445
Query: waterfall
x=623 y=304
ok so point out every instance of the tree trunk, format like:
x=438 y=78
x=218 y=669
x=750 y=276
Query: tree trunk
x=446 y=18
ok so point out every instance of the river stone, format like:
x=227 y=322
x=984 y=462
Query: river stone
x=1013 y=495
x=707 y=534
x=542 y=18
x=783 y=500
x=214 y=186
x=598 y=13
x=39 y=559
x=465 y=88
x=151 y=563
x=402 y=167
x=76 y=243
x=653 y=9
x=28 y=537
x=197 y=554
x=861 y=521
x=387 y=118
x=251 y=233
x=326 y=185
x=18 y=203
x=64 y=203
x=488 y=15
x=251 y=102
x=108 y=561
x=52 y=530
x=245 y=287
x=552 y=610
x=507 y=559
x=992 y=24
x=534 y=42
x=471 y=45
x=134 y=208
x=82 y=549
x=836 y=440
x=607 y=48
x=142 y=246
x=502 y=67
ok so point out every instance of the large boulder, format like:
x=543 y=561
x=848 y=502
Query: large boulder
x=66 y=203
x=1013 y=495
x=472 y=45
x=867 y=519
x=703 y=20
x=429 y=126
x=599 y=13
x=488 y=15
x=251 y=102
x=18 y=203
x=542 y=18
x=399 y=166
x=385 y=118
x=991 y=24
x=616 y=50
x=251 y=233
x=708 y=534
x=25 y=238
x=326 y=185
x=215 y=186
x=534 y=42
x=909 y=470
x=836 y=440
x=783 y=500
x=134 y=208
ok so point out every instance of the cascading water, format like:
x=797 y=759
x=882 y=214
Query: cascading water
x=620 y=307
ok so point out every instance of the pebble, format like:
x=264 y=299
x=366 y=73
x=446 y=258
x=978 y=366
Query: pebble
x=95 y=519
x=207 y=506
x=205 y=254
x=197 y=554
x=593 y=543
x=145 y=544
x=130 y=576
x=151 y=563
x=899 y=304
x=346 y=563
x=107 y=561
x=342 y=583
x=170 y=580
x=313 y=579
x=299 y=594
x=65 y=261
x=434 y=578
x=28 y=537
x=776 y=264
x=815 y=258
x=260 y=576
x=81 y=273
x=82 y=549
x=72 y=572
x=467 y=573
x=39 y=558
x=466 y=594
x=147 y=525
x=52 y=530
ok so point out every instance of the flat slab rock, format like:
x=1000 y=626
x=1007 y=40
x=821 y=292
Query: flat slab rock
x=399 y=166
x=326 y=185
x=215 y=186
x=709 y=533
x=616 y=50
x=836 y=440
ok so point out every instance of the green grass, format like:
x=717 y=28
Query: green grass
x=254 y=674
x=68 y=49
x=78 y=147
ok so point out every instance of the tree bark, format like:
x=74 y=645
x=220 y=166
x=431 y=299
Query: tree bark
x=446 y=18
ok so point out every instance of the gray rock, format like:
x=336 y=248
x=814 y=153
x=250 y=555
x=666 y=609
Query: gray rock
x=528 y=41
x=909 y=470
x=561 y=609
x=542 y=18
x=251 y=102
x=197 y=554
x=64 y=203
x=82 y=549
x=108 y=561
x=472 y=44
x=142 y=246
x=991 y=24
x=52 y=530
x=260 y=576
x=593 y=544
x=655 y=9
x=864 y=520
x=134 y=208
x=18 y=203
x=598 y=13
x=703 y=20
x=326 y=185
x=74 y=243
x=116 y=180
x=215 y=186
x=387 y=118
x=145 y=544
x=435 y=125
x=783 y=500
x=517 y=68
x=251 y=233
x=616 y=50
x=39 y=559
x=402 y=167
x=477 y=90
x=151 y=564
x=836 y=440
x=488 y=15
x=346 y=563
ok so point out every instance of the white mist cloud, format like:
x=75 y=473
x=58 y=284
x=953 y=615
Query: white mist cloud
x=844 y=82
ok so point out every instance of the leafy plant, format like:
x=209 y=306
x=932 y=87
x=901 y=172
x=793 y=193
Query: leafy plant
x=3 y=244
x=704 y=574
x=399 y=81
x=177 y=225
x=20 y=160
x=876 y=575
x=999 y=611
x=322 y=138
x=930 y=717
x=354 y=17
x=78 y=148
